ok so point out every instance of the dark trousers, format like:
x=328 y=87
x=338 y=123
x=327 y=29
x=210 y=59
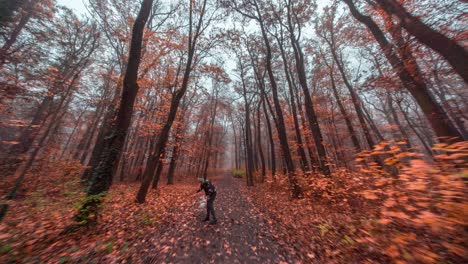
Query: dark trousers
x=209 y=206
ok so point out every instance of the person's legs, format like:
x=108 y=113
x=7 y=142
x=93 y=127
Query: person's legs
x=210 y=207
x=207 y=218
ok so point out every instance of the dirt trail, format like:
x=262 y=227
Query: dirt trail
x=241 y=235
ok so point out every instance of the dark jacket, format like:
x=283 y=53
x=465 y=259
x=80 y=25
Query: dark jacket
x=208 y=187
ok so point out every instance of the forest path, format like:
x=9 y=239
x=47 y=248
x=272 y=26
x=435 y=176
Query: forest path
x=242 y=234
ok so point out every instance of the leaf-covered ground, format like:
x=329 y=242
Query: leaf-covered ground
x=34 y=230
x=358 y=218
x=166 y=229
x=347 y=220
x=242 y=235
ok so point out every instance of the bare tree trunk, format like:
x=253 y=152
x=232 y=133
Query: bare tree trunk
x=159 y=169
x=210 y=134
x=88 y=136
x=454 y=113
x=357 y=106
x=173 y=163
x=99 y=146
x=454 y=53
x=433 y=111
x=164 y=135
x=309 y=105
x=345 y=115
x=300 y=149
x=138 y=154
x=15 y=33
x=397 y=122
x=114 y=141
x=8 y=9
x=72 y=134
x=289 y=165
x=272 y=142
x=248 y=131
x=307 y=139
x=236 y=147
x=259 y=143
x=415 y=131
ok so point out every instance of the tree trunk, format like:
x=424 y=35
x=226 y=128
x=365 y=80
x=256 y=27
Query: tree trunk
x=307 y=140
x=415 y=131
x=397 y=122
x=272 y=142
x=88 y=135
x=289 y=165
x=259 y=144
x=236 y=147
x=437 y=117
x=172 y=164
x=345 y=115
x=454 y=53
x=164 y=135
x=99 y=144
x=72 y=134
x=210 y=135
x=300 y=148
x=114 y=141
x=159 y=169
x=8 y=8
x=309 y=105
x=15 y=33
x=354 y=99
x=248 y=131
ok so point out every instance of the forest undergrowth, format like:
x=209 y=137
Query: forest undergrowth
x=36 y=230
x=370 y=216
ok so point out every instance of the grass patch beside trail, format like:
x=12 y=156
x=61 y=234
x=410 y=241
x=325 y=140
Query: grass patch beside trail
x=238 y=173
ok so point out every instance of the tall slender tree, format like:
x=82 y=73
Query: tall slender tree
x=434 y=113
x=114 y=142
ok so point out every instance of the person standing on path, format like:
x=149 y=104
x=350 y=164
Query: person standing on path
x=210 y=192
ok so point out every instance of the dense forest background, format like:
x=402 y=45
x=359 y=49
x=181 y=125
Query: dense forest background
x=346 y=119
